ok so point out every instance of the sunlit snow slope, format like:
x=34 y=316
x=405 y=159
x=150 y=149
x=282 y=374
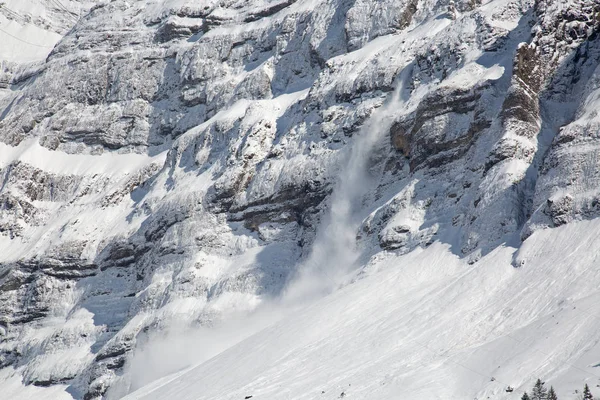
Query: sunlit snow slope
x=29 y=29
x=381 y=198
x=427 y=326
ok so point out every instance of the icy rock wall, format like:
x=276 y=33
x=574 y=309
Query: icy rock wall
x=173 y=160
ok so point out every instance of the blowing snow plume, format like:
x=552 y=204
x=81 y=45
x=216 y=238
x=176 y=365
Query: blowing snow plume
x=165 y=354
x=171 y=159
x=334 y=253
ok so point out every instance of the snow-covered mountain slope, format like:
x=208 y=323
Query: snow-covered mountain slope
x=426 y=326
x=179 y=163
x=29 y=29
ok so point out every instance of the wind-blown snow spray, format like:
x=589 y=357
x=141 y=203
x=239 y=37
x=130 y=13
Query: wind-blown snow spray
x=334 y=254
x=168 y=352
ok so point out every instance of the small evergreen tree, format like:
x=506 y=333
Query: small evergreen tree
x=539 y=391
x=587 y=394
x=525 y=396
x=552 y=394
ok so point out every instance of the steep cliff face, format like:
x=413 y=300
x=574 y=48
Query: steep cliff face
x=174 y=160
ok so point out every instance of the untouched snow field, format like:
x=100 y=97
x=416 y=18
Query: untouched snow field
x=12 y=388
x=427 y=326
x=29 y=29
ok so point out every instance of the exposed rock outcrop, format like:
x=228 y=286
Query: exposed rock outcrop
x=173 y=161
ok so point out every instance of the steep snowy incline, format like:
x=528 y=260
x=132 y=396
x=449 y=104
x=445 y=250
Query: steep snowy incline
x=173 y=166
x=427 y=325
x=29 y=29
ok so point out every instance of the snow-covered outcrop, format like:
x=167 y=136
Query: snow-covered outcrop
x=179 y=161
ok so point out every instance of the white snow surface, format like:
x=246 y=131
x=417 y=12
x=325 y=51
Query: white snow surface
x=426 y=325
x=298 y=200
x=13 y=388
x=29 y=29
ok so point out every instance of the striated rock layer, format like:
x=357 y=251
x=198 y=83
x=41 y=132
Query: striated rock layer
x=173 y=160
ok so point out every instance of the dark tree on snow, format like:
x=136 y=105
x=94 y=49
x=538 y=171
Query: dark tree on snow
x=539 y=391
x=587 y=394
x=552 y=394
x=525 y=396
